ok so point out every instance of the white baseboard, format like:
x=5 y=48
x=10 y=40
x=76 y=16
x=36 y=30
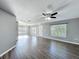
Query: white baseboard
x=59 y=40
x=7 y=51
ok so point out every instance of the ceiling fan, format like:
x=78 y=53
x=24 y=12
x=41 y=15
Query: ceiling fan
x=51 y=15
x=54 y=12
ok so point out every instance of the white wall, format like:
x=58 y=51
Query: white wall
x=8 y=31
x=46 y=29
x=73 y=30
x=28 y=30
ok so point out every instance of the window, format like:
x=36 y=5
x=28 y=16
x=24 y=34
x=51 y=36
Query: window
x=22 y=29
x=40 y=30
x=59 y=30
x=33 y=30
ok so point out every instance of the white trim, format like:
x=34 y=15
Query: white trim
x=76 y=43
x=7 y=51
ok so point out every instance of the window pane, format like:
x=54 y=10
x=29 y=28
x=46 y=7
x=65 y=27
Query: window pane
x=40 y=30
x=33 y=30
x=59 y=30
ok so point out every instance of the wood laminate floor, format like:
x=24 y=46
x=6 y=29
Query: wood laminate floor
x=41 y=48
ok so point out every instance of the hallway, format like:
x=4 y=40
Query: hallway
x=41 y=48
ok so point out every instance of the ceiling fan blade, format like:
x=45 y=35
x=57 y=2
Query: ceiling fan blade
x=44 y=14
x=54 y=13
x=64 y=5
x=52 y=17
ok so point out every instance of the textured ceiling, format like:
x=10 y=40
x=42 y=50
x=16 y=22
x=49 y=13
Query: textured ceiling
x=26 y=10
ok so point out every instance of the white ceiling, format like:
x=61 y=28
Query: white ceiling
x=26 y=10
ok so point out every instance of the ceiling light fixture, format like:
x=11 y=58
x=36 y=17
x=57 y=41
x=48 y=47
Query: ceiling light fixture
x=48 y=18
